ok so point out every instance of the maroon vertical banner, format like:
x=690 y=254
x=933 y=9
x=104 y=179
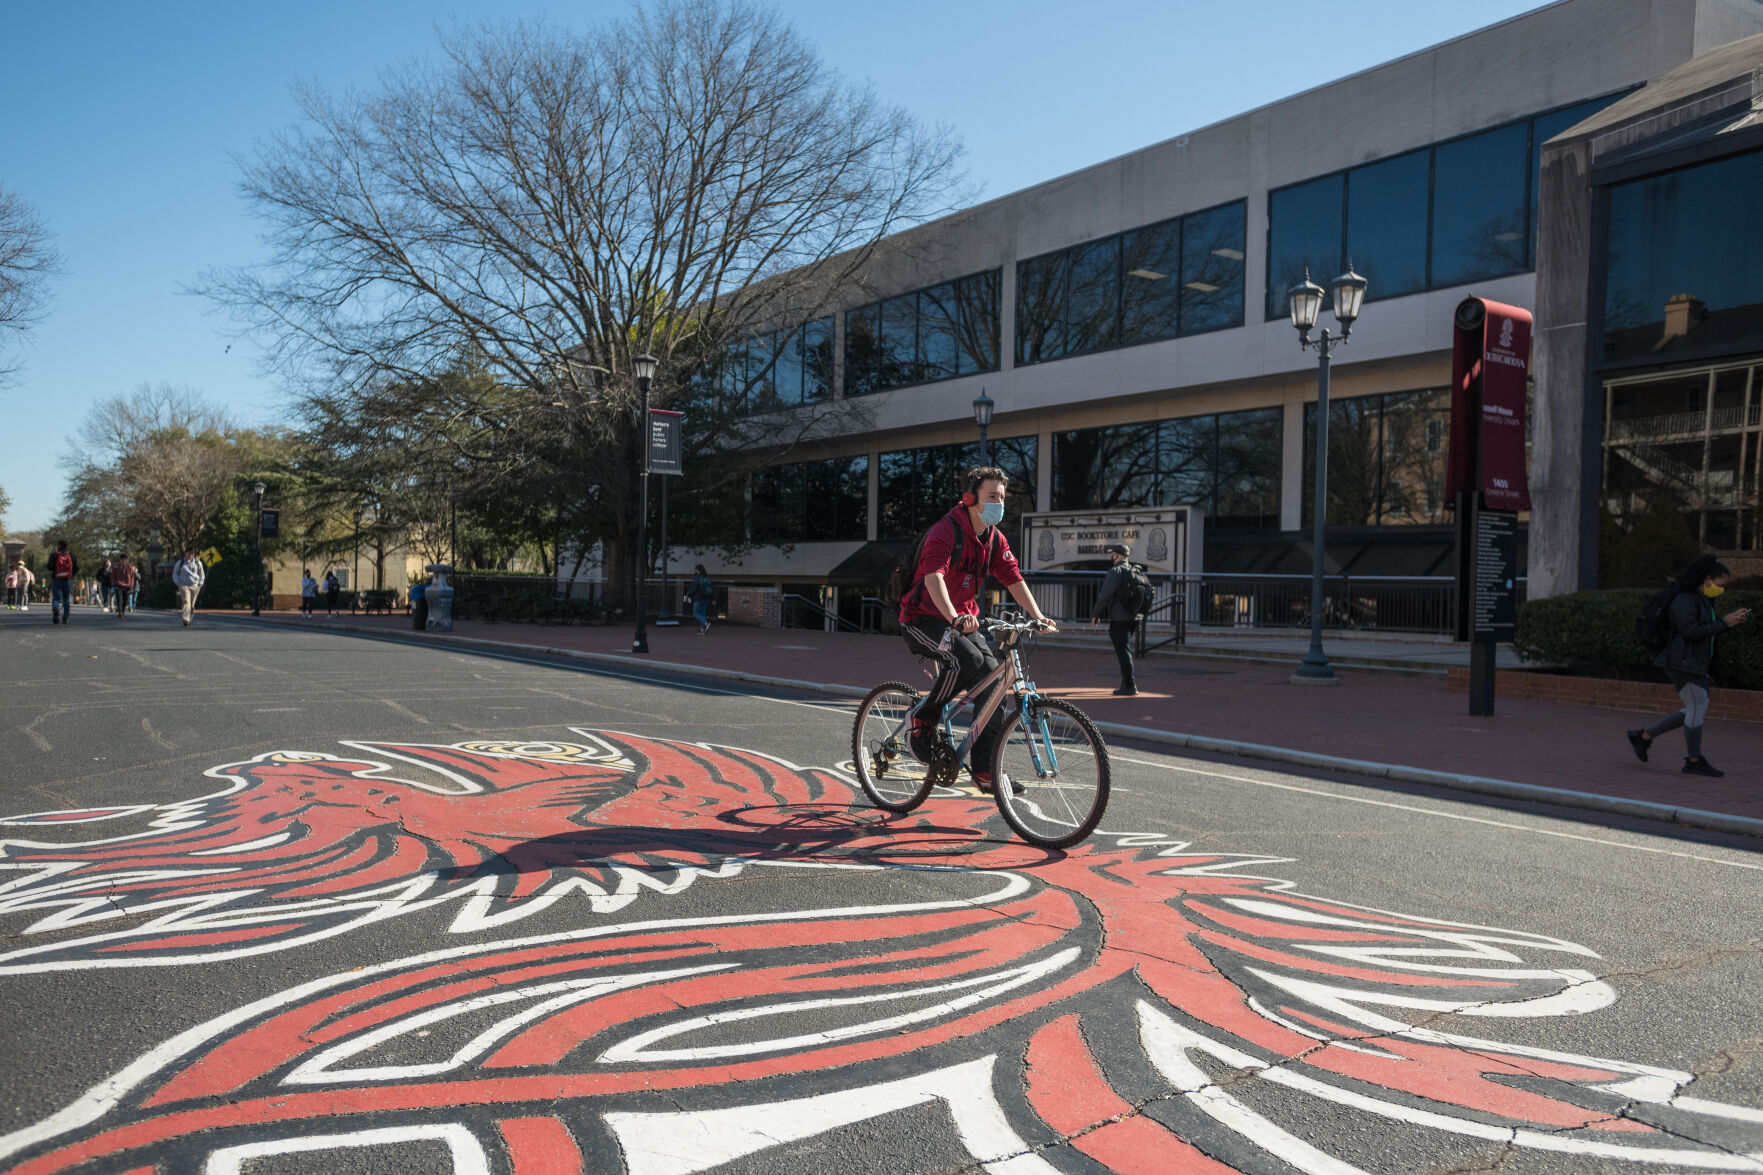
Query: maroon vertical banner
x=1490 y=366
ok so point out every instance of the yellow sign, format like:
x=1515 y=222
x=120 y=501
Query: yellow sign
x=210 y=557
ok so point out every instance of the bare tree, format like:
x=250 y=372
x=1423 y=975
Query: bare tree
x=550 y=205
x=159 y=459
x=27 y=261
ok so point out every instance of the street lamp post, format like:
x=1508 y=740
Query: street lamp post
x=1306 y=304
x=257 y=575
x=982 y=416
x=645 y=368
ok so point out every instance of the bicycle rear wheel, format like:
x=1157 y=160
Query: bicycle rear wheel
x=1053 y=753
x=880 y=754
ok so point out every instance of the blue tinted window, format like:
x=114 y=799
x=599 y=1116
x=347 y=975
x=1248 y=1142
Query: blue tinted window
x=1150 y=283
x=816 y=341
x=733 y=378
x=1304 y=235
x=1480 y=206
x=976 y=338
x=863 y=350
x=1386 y=224
x=1246 y=469
x=899 y=336
x=786 y=372
x=763 y=354
x=1685 y=262
x=1212 y=269
x=1185 y=454
x=1040 y=308
x=1092 y=300
x=937 y=329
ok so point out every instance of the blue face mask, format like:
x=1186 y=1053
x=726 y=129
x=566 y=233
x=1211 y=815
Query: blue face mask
x=992 y=513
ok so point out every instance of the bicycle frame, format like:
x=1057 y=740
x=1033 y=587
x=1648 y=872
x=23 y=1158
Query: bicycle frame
x=988 y=694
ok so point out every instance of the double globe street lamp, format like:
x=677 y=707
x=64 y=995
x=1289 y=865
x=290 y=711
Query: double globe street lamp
x=1306 y=304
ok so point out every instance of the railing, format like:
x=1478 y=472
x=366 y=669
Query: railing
x=1385 y=603
x=800 y=612
x=1686 y=423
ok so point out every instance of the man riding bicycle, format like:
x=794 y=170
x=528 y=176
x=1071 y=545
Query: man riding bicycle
x=939 y=616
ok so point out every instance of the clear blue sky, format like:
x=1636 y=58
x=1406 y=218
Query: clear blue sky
x=121 y=121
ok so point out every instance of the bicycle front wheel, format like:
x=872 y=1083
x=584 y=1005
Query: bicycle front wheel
x=1051 y=771
x=880 y=754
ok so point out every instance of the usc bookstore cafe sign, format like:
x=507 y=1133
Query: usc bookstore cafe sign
x=1490 y=364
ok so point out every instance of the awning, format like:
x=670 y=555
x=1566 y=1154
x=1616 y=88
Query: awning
x=870 y=564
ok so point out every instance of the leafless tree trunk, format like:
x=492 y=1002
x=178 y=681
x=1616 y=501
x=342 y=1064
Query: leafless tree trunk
x=549 y=206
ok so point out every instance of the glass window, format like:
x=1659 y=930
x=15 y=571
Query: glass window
x=863 y=349
x=1150 y=283
x=899 y=336
x=937 y=318
x=1685 y=262
x=1040 y=308
x=1212 y=269
x=733 y=378
x=1247 y=469
x=853 y=499
x=1353 y=441
x=1386 y=224
x=1479 y=205
x=1415 y=425
x=816 y=341
x=1092 y=300
x=1304 y=234
x=763 y=353
x=786 y=373
x=1186 y=455
x=1100 y=468
x=895 y=491
x=976 y=323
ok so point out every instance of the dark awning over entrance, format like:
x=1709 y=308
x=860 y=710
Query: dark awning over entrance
x=869 y=564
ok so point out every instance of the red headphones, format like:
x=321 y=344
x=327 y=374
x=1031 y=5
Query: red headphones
x=971 y=496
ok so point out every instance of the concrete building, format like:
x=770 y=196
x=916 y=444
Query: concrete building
x=1129 y=320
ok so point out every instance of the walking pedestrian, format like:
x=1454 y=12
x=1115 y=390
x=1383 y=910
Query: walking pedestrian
x=308 y=592
x=104 y=585
x=62 y=568
x=1121 y=605
x=19 y=580
x=122 y=585
x=12 y=586
x=189 y=575
x=1689 y=657
x=331 y=588
x=699 y=593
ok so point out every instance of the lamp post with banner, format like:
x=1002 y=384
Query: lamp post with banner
x=665 y=440
x=1306 y=304
x=645 y=365
x=257 y=572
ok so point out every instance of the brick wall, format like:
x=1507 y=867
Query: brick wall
x=1649 y=697
x=759 y=607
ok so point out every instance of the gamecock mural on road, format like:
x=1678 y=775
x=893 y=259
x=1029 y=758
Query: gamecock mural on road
x=617 y=953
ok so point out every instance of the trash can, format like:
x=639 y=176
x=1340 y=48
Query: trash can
x=419 y=607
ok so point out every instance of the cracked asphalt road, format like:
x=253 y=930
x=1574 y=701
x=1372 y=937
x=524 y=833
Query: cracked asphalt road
x=1073 y=1015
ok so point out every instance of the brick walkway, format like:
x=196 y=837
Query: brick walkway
x=1400 y=719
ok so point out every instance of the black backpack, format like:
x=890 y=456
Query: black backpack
x=1136 y=591
x=904 y=577
x=1652 y=628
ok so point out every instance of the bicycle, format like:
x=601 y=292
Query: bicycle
x=1050 y=772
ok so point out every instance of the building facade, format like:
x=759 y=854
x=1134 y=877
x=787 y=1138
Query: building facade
x=1129 y=320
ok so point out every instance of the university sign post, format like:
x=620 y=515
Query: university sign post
x=665 y=429
x=1486 y=479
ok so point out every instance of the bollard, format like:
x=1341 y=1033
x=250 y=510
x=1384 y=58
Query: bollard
x=439 y=597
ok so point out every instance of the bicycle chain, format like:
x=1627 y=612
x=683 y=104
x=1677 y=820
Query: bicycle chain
x=944 y=767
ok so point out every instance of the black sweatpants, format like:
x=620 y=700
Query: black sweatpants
x=1120 y=632
x=966 y=660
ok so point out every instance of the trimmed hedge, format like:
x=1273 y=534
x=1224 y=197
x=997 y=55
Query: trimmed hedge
x=1595 y=631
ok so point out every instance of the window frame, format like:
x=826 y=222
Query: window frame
x=916 y=361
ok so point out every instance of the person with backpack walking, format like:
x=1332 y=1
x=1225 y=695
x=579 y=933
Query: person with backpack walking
x=939 y=613
x=699 y=592
x=1688 y=655
x=122 y=585
x=62 y=569
x=104 y=586
x=189 y=575
x=1125 y=596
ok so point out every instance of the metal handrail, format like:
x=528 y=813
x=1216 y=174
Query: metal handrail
x=839 y=622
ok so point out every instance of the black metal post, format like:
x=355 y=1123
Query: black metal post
x=985 y=450
x=666 y=616
x=257 y=574
x=641 y=643
x=1315 y=669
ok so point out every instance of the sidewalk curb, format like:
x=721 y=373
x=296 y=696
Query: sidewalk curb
x=1476 y=784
